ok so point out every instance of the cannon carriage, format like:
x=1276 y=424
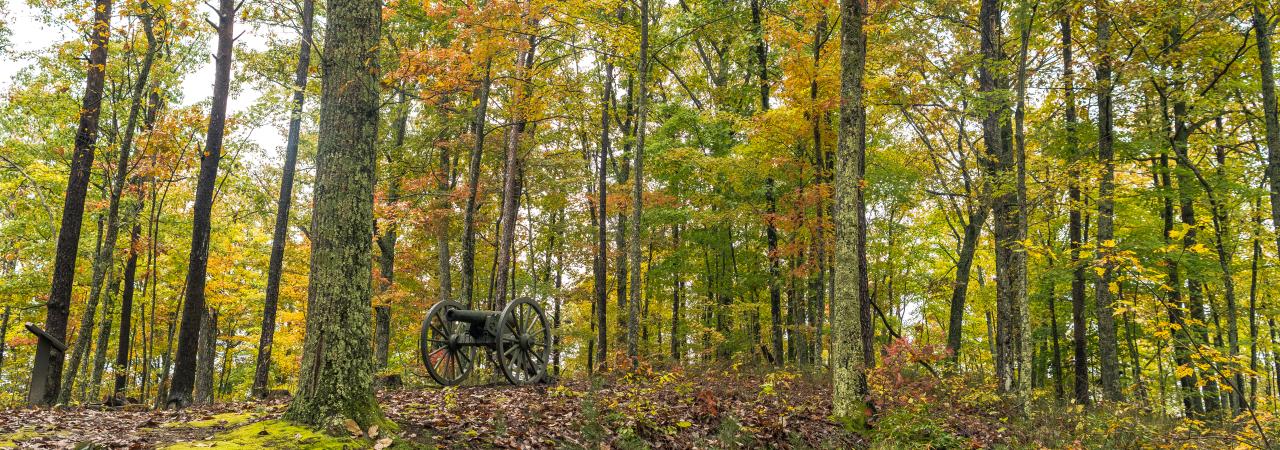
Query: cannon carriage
x=518 y=338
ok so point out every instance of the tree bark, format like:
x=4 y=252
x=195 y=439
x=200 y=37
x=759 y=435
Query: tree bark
x=121 y=367
x=1261 y=28
x=1191 y=402
x=599 y=264
x=848 y=361
x=279 y=237
x=1079 y=324
x=771 y=231
x=335 y=380
x=193 y=307
x=510 y=180
x=64 y=265
x=205 y=356
x=637 y=190
x=473 y=187
x=386 y=241
x=100 y=348
x=1001 y=162
x=1108 y=357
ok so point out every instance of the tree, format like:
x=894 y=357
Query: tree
x=193 y=308
x=1079 y=325
x=64 y=265
x=1007 y=209
x=278 y=239
x=771 y=232
x=1108 y=361
x=637 y=189
x=848 y=361
x=335 y=381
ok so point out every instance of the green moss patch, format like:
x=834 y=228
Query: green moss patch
x=272 y=434
x=11 y=440
x=217 y=420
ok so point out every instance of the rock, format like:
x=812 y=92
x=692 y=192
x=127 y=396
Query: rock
x=389 y=381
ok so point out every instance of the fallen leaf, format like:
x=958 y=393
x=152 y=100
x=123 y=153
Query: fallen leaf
x=353 y=428
x=373 y=431
x=382 y=443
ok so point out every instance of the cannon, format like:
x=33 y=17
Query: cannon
x=518 y=338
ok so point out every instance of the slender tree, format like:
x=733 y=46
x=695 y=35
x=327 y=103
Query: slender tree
x=193 y=307
x=1108 y=359
x=1271 y=118
x=637 y=189
x=279 y=238
x=64 y=265
x=1079 y=326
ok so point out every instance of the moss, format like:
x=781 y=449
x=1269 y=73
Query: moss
x=224 y=419
x=273 y=434
x=11 y=440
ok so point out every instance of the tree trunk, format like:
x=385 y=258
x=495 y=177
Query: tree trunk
x=1191 y=402
x=386 y=241
x=1108 y=358
x=602 y=247
x=205 y=356
x=1261 y=27
x=510 y=180
x=964 y=264
x=1079 y=324
x=473 y=187
x=771 y=231
x=279 y=237
x=637 y=191
x=100 y=348
x=381 y=336
x=193 y=307
x=121 y=367
x=676 y=300
x=64 y=265
x=1001 y=162
x=848 y=361
x=335 y=379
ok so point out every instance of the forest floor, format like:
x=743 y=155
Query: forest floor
x=713 y=408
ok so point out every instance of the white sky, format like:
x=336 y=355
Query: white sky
x=29 y=36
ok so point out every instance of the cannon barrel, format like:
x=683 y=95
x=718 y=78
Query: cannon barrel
x=470 y=315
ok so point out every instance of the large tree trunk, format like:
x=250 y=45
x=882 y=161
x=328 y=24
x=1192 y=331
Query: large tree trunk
x=279 y=237
x=193 y=307
x=335 y=380
x=1108 y=358
x=473 y=187
x=637 y=190
x=848 y=361
x=64 y=265
x=206 y=353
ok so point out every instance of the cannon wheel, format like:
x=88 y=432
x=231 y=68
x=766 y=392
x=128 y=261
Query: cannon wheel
x=524 y=342
x=447 y=361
